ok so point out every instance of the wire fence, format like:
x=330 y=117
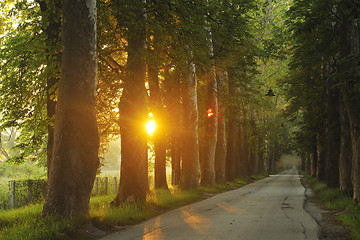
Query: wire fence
x=20 y=193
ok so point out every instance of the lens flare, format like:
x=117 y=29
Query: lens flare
x=150 y=127
x=209 y=112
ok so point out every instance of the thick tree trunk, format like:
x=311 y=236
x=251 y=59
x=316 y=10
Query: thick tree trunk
x=232 y=157
x=160 y=132
x=232 y=153
x=174 y=115
x=253 y=148
x=133 y=185
x=307 y=163
x=345 y=161
x=261 y=159
x=333 y=134
x=313 y=159
x=350 y=47
x=76 y=142
x=245 y=167
x=190 y=137
x=220 y=153
x=321 y=151
x=51 y=22
x=207 y=165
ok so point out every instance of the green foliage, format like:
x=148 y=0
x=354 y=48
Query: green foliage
x=22 y=83
x=21 y=171
x=351 y=218
x=4 y=194
x=335 y=200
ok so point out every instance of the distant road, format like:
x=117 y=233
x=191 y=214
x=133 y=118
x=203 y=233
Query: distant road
x=269 y=209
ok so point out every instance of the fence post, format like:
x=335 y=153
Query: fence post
x=115 y=185
x=106 y=185
x=30 y=192
x=96 y=186
x=12 y=194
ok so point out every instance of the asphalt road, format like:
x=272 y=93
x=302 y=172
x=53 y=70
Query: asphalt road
x=269 y=209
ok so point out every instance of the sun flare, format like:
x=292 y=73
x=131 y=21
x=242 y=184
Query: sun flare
x=150 y=127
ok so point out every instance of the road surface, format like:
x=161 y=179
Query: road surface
x=269 y=209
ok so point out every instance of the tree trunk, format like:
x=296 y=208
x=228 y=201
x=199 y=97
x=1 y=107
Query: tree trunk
x=174 y=116
x=333 y=134
x=220 y=153
x=307 y=163
x=253 y=145
x=243 y=166
x=133 y=185
x=261 y=146
x=51 y=25
x=232 y=156
x=76 y=141
x=321 y=151
x=345 y=161
x=160 y=132
x=313 y=159
x=190 y=137
x=350 y=47
x=207 y=165
x=232 y=153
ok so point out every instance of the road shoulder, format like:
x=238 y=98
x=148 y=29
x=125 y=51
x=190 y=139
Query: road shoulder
x=330 y=228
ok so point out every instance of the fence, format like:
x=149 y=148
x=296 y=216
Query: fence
x=104 y=186
x=24 y=192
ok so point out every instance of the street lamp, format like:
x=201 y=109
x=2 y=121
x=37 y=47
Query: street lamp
x=270 y=93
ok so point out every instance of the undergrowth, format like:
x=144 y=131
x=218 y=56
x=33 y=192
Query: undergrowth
x=333 y=199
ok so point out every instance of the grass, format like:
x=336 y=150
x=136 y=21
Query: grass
x=333 y=199
x=27 y=223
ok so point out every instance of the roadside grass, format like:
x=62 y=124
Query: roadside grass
x=26 y=222
x=333 y=199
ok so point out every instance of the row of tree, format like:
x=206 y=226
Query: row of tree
x=193 y=64
x=324 y=91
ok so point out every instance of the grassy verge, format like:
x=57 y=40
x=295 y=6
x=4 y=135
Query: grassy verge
x=26 y=223
x=333 y=199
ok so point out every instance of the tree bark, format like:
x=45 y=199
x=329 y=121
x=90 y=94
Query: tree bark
x=333 y=133
x=243 y=163
x=174 y=116
x=160 y=132
x=253 y=149
x=133 y=185
x=313 y=159
x=220 y=153
x=321 y=151
x=350 y=39
x=190 y=137
x=345 y=161
x=51 y=25
x=207 y=165
x=76 y=141
x=232 y=153
x=307 y=163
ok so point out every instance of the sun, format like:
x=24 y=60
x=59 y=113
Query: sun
x=150 y=127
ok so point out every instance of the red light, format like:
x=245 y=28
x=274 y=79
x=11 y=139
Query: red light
x=209 y=112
